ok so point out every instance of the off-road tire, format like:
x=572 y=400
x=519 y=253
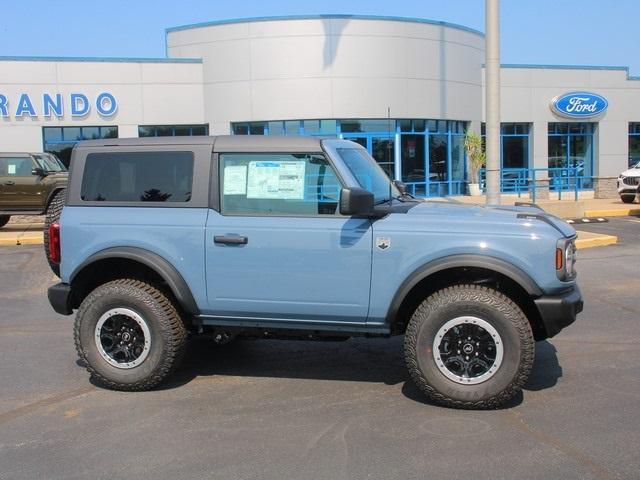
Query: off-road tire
x=484 y=303
x=52 y=215
x=168 y=334
x=628 y=198
x=4 y=219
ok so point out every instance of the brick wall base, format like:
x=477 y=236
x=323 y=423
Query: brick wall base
x=605 y=187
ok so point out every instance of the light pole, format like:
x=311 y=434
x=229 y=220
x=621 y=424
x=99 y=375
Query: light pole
x=492 y=96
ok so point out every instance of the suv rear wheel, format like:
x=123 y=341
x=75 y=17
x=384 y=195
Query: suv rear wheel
x=129 y=334
x=52 y=215
x=4 y=219
x=469 y=346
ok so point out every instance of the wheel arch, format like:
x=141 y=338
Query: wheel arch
x=139 y=262
x=465 y=268
x=52 y=193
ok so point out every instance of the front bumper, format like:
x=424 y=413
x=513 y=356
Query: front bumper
x=59 y=295
x=559 y=311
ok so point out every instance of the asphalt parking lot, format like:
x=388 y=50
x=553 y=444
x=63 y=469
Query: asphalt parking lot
x=278 y=409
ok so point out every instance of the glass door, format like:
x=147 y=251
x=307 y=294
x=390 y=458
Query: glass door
x=413 y=156
x=580 y=159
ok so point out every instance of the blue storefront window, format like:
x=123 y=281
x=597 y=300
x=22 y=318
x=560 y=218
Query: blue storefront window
x=570 y=156
x=634 y=143
x=428 y=155
x=60 y=140
x=172 y=130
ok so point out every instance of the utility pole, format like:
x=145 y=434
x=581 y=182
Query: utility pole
x=492 y=96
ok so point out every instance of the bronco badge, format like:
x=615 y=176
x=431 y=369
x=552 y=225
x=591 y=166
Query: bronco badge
x=383 y=242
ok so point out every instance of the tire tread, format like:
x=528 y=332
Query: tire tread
x=175 y=335
x=467 y=292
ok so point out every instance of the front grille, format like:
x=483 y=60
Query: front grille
x=631 y=181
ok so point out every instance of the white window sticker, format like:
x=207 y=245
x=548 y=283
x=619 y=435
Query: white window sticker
x=235 y=180
x=277 y=180
x=11 y=169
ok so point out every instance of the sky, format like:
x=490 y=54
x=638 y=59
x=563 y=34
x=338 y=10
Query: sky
x=567 y=32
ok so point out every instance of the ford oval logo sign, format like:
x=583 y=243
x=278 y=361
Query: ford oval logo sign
x=579 y=104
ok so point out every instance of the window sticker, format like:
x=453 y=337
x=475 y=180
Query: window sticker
x=276 y=180
x=11 y=169
x=235 y=180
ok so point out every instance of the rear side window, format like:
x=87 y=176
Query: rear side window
x=138 y=177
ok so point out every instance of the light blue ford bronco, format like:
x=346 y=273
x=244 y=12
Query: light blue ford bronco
x=296 y=237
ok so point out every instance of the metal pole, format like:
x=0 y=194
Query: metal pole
x=492 y=95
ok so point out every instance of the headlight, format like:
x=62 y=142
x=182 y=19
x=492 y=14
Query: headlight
x=566 y=259
x=570 y=259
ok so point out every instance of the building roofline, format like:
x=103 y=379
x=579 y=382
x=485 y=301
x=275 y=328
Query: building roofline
x=99 y=59
x=324 y=17
x=571 y=67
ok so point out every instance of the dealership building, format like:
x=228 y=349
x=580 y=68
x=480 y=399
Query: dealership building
x=406 y=89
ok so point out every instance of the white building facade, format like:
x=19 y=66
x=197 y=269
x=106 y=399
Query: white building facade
x=405 y=89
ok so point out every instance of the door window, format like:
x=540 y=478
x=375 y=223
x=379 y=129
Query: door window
x=16 y=166
x=278 y=184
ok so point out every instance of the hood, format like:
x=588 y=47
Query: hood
x=496 y=218
x=61 y=176
x=632 y=172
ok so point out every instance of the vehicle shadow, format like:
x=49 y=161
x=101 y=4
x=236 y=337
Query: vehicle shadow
x=355 y=360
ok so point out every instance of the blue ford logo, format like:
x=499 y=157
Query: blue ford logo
x=579 y=104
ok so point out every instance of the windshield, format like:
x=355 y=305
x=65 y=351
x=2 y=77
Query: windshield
x=369 y=174
x=49 y=163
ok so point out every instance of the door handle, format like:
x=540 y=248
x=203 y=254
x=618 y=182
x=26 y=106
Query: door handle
x=10 y=182
x=230 y=240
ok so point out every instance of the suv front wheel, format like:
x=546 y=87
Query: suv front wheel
x=129 y=334
x=469 y=346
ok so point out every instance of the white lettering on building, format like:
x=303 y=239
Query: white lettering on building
x=578 y=105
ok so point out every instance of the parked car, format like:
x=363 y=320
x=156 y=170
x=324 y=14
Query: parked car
x=629 y=183
x=32 y=184
x=277 y=237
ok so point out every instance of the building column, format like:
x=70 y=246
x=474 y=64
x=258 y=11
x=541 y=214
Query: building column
x=610 y=157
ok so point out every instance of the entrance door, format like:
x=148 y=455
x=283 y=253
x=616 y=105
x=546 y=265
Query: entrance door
x=279 y=250
x=413 y=163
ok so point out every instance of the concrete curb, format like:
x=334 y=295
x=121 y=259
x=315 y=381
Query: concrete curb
x=590 y=240
x=13 y=240
x=618 y=212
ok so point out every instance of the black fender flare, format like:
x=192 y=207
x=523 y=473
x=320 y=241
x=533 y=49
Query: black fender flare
x=162 y=267
x=455 y=261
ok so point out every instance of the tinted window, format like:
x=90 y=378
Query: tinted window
x=138 y=177
x=16 y=166
x=278 y=184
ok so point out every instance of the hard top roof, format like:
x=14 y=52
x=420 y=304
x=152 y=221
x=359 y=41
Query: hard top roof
x=222 y=143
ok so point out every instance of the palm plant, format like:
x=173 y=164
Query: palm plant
x=475 y=153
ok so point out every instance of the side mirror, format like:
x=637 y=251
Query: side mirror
x=402 y=188
x=39 y=172
x=356 y=202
